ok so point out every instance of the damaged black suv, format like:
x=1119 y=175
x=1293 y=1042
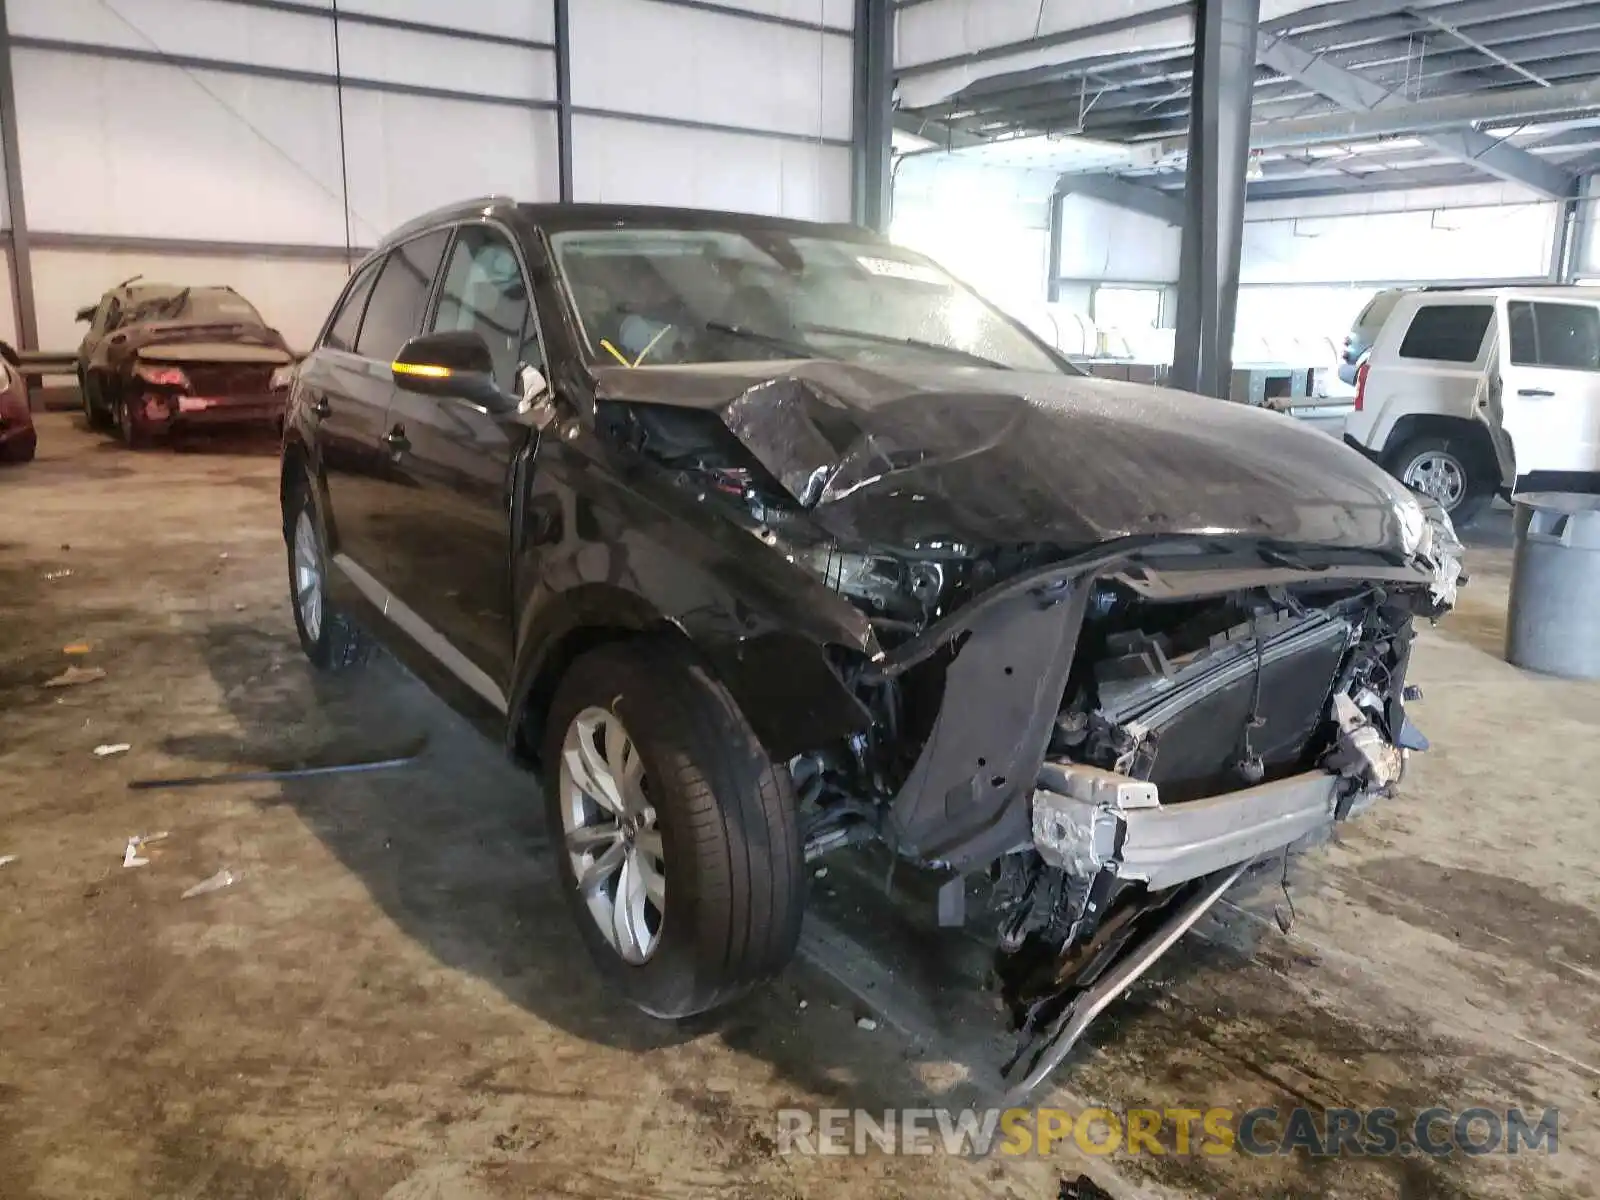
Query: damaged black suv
x=760 y=538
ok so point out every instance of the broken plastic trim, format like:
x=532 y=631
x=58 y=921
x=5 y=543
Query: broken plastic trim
x=1077 y=1016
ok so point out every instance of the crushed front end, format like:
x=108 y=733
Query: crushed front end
x=1115 y=651
x=1110 y=742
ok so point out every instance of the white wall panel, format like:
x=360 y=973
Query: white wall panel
x=630 y=162
x=292 y=294
x=1507 y=242
x=449 y=63
x=209 y=29
x=409 y=154
x=640 y=56
x=152 y=151
x=531 y=20
x=836 y=14
x=1099 y=241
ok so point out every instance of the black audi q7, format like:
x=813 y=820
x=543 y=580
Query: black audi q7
x=759 y=538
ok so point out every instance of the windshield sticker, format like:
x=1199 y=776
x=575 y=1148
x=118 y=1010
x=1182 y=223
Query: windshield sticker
x=893 y=268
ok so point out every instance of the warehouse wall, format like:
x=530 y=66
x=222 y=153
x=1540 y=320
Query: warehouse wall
x=988 y=225
x=1478 y=232
x=1309 y=266
x=247 y=142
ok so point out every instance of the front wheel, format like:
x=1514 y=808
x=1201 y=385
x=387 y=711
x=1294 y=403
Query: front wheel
x=330 y=640
x=680 y=850
x=1450 y=471
x=94 y=411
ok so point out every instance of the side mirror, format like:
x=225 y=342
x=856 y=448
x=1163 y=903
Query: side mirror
x=455 y=364
x=86 y=313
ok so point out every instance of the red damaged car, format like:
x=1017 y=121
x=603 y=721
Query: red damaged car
x=160 y=357
x=17 y=436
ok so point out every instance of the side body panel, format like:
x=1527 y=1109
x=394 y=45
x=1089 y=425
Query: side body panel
x=1551 y=414
x=448 y=525
x=348 y=397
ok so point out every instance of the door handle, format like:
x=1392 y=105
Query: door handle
x=396 y=441
x=320 y=407
x=1534 y=392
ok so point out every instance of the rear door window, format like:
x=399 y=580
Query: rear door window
x=1563 y=336
x=394 y=313
x=347 y=321
x=1447 y=332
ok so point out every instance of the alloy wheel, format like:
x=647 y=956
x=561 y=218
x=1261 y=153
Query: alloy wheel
x=1437 y=474
x=308 y=575
x=612 y=840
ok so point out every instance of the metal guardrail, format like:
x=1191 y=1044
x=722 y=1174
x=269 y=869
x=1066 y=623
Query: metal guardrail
x=48 y=362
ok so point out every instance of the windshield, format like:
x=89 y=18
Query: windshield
x=658 y=296
x=209 y=305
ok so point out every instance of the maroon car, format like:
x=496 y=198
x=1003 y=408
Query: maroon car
x=160 y=357
x=17 y=436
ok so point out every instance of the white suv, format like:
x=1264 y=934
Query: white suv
x=1471 y=393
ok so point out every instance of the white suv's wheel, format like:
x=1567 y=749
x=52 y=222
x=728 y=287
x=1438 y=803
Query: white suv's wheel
x=1448 y=470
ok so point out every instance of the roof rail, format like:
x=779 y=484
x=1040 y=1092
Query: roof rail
x=445 y=212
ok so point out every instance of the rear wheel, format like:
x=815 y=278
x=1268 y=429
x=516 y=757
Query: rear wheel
x=330 y=639
x=680 y=849
x=1451 y=470
x=134 y=434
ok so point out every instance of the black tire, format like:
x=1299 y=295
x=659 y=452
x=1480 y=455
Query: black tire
x=94 y=411
x=1481 y=479
x=735 y=876
x=339 y=643
x=133 y=437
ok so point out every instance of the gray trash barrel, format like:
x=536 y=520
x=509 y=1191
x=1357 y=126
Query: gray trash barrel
x=1554 y=620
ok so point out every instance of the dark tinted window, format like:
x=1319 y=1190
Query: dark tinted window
x=342 y=332
x=394 y=314
x=1565 y=336
x=484 y=291
x=1447 y=332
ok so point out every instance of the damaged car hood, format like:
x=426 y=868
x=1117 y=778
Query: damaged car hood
x=904 y=455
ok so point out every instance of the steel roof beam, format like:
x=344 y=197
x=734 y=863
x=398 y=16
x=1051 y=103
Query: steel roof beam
x=1119 y=193
x=1359 y=94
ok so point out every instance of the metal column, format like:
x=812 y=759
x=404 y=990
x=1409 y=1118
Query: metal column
x=1580 y=256
x=1052 y=287
x=873 y=128
x=563 y=23
x=1214 y=193
x=21 y=261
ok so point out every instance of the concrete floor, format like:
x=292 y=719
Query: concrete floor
x=391 y=1002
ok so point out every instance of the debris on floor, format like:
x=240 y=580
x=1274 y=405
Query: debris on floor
x=113 y=748
x=866 y=1023
x=77 y=648
x=222 y=879
x=52 y=576
x=131 y=856
x=73 y=676
x=7 y=859
x=380 y=764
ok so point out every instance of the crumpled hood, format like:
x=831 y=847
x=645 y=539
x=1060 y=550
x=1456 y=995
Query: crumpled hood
x=898 y=456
